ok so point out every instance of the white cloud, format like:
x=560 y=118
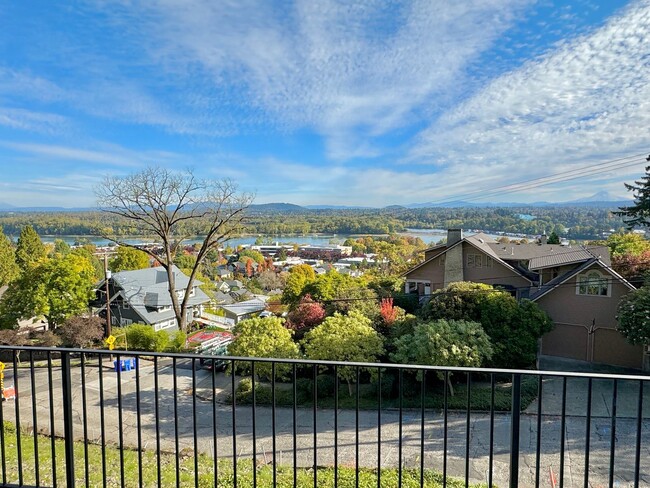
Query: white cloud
x=587 y=101
x=351 y=71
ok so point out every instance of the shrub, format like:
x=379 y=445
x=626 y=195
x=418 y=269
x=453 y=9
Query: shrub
x=326 y=384
x=142 y=337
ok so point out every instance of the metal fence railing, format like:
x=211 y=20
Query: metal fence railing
x=98 y=418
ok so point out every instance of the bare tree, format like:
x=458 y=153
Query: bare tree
x=172 y=206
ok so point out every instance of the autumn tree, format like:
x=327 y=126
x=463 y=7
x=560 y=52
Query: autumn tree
x=8 y=268
x=78 y=331
x=299 y=277
x=307 y=314
x=167 y=204
x=127 y=259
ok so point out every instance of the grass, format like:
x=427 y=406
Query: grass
x=325 y=475
x=479 y=400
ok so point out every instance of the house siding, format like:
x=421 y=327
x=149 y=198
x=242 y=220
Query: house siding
x=585 y=327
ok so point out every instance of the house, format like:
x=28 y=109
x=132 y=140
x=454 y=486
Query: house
x=223 y=272
x=143 y=296
x=244 y=310
x=575 y=285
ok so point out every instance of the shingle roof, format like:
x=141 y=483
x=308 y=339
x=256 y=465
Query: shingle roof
x=559 y=258
x=146 y=289
x=243 y=308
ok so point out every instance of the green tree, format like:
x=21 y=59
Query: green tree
x=638 y=214
x=8 y=268
x=256 y=256
x=513 y=327
x=128 y=258
x=627 y=244
x=553 y=238
x=30 y=250
x=61 y=248
x=299 y=277
x=344 y=338
x=633 y=316
x=444 y=343
x=57 y=289
x=263 y=338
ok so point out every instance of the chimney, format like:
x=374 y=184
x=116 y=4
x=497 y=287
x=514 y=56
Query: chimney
x=543 y=239
x=454 y=236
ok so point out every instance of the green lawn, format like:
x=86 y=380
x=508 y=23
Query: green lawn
x=367 y=477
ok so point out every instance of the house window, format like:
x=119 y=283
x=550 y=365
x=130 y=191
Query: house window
x=165 y=325
x=126 y=322
x=479 y=261
x=125 y=305
x=441 y=260
x=593 y=283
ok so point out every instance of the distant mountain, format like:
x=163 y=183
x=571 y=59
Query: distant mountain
x=336 y=207
x=6 y=206
x=276 y=208
x=599 y=199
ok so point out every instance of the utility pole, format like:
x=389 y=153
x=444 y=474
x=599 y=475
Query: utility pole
x=107 y=275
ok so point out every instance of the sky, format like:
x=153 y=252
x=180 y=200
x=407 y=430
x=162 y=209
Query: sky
x=367 y=102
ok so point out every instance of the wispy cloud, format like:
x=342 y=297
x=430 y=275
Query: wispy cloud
x=587 y=101
x=363 y=68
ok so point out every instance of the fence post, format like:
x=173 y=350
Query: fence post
x=67 y=419
x=514 y=430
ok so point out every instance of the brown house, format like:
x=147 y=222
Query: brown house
x=575 y=285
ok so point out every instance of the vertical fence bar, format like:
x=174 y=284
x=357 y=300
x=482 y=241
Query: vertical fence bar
x=214 y=424
x=19 y=448
x=253 y=419
x=176 y=439
x=84 y=417
x=563 y=431
x=3 y=454
x=32 y=377
x=400 y=384
x=194 y=426
x=639 y=425
x=234 y=425
x=315 y=390
x=356 y=430
x=491 y=446
x=295 y=426
x=138 y=417
x=612 y=440
x=514 y=430
x=445 y=426
x=378 y=427
x=336 y=425
x=588 y=432
x=538 y=446
x=273 y=429
x=120 y=417
x=156 y=389
x=422 y=400
x=68 y=436
x=468 y=427
x=50 y=385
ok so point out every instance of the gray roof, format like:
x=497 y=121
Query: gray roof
x=243 y=308
x=147 y=289
x=561 y=257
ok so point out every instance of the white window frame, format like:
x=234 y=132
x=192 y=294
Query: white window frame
x=593 y=283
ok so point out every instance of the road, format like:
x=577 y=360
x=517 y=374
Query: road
x=200 y=411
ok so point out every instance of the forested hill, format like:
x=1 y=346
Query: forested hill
x=578 y=222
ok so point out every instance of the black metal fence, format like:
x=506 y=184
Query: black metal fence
x=96 y=418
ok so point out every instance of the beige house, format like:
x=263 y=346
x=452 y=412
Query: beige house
x=575 y=285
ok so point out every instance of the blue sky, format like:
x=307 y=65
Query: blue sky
x=328 y=102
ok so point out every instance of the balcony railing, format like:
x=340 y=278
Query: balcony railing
x=77 y=419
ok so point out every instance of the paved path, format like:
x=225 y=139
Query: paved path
x=479 y=428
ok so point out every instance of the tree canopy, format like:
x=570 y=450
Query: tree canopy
x=638 y=214
x=30 y=250
x=9 y=270
x=127 y=259
x=634 y=316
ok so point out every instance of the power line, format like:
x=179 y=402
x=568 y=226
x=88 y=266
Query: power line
x=550 y=179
